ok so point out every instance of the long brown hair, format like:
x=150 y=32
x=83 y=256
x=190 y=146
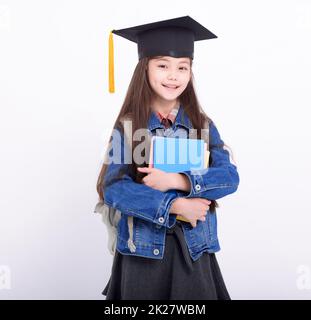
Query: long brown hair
x=137 y=104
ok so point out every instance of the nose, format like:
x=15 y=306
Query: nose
x=172 y=76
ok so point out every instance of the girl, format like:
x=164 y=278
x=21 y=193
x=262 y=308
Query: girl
x=159 y=256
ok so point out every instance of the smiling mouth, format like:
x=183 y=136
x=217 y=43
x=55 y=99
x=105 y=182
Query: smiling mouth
x=170 y=87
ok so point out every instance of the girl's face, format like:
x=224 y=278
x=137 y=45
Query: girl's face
x=169 y=76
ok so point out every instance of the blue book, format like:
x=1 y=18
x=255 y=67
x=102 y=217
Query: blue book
x=178 y=154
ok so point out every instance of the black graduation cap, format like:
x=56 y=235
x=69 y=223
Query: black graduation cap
x=173 y=37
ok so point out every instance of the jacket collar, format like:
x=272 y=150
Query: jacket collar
x=181 y=120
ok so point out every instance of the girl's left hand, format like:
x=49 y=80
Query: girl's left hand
x=157 y=179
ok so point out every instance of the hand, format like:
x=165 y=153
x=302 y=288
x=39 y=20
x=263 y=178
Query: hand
x=157 y=179
x=192 y=209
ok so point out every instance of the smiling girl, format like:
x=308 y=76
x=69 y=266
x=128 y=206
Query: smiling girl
x=159 y=256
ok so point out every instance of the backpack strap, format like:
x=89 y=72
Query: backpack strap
x=130 y=222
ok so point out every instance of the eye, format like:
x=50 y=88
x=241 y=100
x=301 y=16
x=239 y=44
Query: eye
x=162 y=65
x=183 y=68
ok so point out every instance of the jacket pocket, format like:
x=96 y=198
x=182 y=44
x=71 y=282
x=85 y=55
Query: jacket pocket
x=144 y=231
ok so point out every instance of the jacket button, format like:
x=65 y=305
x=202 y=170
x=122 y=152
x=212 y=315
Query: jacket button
x=197 y=187
x=156 y=252
x=161 y=219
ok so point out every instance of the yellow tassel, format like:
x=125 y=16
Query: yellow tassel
x=111 y=64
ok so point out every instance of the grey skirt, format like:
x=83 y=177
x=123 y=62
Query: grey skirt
x=175 y=277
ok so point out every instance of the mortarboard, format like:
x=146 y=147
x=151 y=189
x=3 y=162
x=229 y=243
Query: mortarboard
x=173 y=37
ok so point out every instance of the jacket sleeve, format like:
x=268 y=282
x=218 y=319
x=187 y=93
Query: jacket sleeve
x=132 y=198
x=220 y=178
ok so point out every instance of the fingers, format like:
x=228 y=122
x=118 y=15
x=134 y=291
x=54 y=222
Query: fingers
x=145 y=169
x=205 y=201
x=202 y=218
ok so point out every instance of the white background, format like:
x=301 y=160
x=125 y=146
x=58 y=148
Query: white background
x=56 y=113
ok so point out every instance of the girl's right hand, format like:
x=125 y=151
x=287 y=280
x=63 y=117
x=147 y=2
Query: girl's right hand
x=192 y=209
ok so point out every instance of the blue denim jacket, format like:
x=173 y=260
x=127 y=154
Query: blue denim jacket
x=141 y=231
